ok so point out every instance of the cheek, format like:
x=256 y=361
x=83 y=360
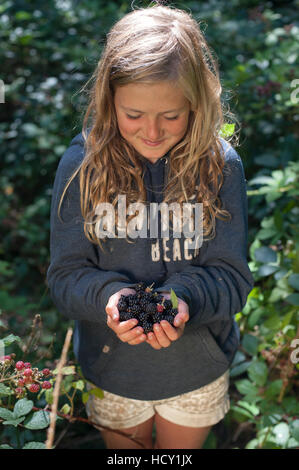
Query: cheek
x=178 y=128
x=127 y=127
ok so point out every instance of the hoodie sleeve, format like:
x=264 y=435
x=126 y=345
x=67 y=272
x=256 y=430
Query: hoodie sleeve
x=78 y=288
x=217 y=282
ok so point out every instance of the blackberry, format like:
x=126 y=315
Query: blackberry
x=167 y=304
x=147 y=327
x=124 y=316
x=143 y=317
x=141 y=286
x=157 y=317
x=122 y=305
x=168 y=318
x=135 y=309
x=151 y=308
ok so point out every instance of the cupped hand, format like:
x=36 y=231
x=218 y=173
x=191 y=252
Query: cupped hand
x=164 y=334
x=126 y=331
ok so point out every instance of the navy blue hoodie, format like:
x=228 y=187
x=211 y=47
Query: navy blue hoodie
x=214 y=281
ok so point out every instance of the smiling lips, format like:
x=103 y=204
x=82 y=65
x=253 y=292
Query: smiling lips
x=152 y=144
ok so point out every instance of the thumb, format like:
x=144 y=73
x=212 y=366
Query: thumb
x=111 y=308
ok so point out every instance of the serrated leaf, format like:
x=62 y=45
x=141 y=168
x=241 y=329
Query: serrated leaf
x=68 y=370
x=39 y=420
x=258 y=373
x=5 y=391
x=281 y=433
x=22 y=407
x=14 y=422
x=294 y=429
x=5 y=446
x=174 y=299
x=6 y=414
x=245 y=387
x=85 y=397
x=8 y=340
x=65 y=409
x=79 y=385
x=98 y=392
x=34 y=445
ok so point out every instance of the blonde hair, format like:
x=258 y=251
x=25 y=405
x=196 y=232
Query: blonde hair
x=157 y=43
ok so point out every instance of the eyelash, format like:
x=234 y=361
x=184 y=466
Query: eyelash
x=168 y=119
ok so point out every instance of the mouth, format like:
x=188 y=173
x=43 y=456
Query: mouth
x=152 y=144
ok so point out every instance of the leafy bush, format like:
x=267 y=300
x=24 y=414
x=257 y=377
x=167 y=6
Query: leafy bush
x=49 y=51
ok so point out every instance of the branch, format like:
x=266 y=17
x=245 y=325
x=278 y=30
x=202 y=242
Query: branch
x=62 y=361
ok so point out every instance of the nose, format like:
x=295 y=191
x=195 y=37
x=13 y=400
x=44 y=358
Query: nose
x=153 y=130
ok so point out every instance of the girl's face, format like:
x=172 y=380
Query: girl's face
x=153 y=118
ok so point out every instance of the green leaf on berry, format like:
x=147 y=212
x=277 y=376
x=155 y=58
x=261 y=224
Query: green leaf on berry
x=14 y=422
x=22 y=407
x=174 y=299
x=6 y=414
x=38 y=420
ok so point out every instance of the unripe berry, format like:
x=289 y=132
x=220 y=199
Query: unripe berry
x=27 y=365
x=20 y=365
x=27 y=372
x=21 y=382
x=28 y=380
x=34 y=388
x=46 y=385
x=46 y=372
x=19 y=390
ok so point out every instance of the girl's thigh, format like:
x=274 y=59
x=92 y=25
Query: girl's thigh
x=135 y=437
x=174 y=436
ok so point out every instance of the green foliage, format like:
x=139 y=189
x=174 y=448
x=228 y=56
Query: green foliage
x=50 y=50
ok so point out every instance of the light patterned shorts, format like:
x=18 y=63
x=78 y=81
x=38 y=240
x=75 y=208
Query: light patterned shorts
x=202 y=407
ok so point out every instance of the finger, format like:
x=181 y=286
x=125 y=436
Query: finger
x=131 y=335
x=172 y=333
x=139 y=339
x=181 y=318
x=152 y=341
x=161 y=337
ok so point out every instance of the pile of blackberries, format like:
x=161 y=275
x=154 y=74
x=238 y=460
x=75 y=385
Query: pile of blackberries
x=147 y=306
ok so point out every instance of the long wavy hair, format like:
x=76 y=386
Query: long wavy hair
x=148 y=45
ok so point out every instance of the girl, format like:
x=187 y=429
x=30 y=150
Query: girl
x=155 y=117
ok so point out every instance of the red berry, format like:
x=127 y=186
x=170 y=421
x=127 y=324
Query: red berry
x=28 y=380
x=27 y=372
x=21 y=382
x=20 y=365
x=34 y=388
x=46 y=384
x=46 y=372
x=27 y=365
x=160 y=308
x=7 y=358
x=19 y=390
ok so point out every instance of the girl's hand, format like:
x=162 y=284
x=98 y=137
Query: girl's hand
x=124 y=330
x=164 y=334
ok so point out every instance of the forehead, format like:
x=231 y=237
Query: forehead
x=163 y=96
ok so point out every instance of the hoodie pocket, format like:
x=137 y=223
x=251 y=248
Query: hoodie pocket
x=211 y=346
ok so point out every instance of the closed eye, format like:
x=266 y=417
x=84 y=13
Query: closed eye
x=168 y=118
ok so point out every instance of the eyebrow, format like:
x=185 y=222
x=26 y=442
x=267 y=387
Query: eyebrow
x=164 y=112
